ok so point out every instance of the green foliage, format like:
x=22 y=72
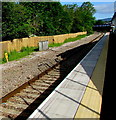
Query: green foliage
x=83 y=19
x=44 y=18
x=14 y=55
x=38 y=18
x=14 y=21
x=99 y=22
x=75 y=38
x=68 y=40
x=55 y=44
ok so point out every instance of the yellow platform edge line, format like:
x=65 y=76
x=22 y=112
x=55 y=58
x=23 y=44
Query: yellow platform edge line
x=90 y=105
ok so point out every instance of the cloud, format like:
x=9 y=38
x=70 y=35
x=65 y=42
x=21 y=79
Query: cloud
x=104 y=8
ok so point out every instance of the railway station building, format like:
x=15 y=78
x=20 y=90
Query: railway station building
x=114 y=22
x=114 y=18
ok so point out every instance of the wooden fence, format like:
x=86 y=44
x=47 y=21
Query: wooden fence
x=17 y=44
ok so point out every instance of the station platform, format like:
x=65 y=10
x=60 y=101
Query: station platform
x=79 y=95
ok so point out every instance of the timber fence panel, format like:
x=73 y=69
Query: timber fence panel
x=4 y=46
x=17 y=44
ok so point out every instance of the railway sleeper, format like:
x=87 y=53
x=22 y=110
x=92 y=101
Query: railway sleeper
x=14 y=107
x=17 y=105
x=12 y=116
x=20 y=100
x=47 y=79
x=31 y=91
x=9 y=111
x=8 y=116
x=38 y=85
x=39 y=89
x=24 y=96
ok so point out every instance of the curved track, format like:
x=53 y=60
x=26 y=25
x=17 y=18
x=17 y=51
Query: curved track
x=23 y=101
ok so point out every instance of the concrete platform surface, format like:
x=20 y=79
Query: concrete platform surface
x=65 y=100
x=90 y=106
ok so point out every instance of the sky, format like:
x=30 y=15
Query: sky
x=104 y=8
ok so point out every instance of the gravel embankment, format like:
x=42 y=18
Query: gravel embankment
x=16 y=73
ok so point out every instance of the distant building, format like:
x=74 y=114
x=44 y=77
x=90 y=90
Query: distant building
x=114 y=22
x=114 y=18
x=114 y=6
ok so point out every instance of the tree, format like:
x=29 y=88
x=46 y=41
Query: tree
x=70 y=10
x=45 y=18
x=88 y=10
x=14 y=21
x=99 y=22
x=48 y=18
x=83 y=19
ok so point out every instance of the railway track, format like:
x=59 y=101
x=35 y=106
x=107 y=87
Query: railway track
x=22 y=102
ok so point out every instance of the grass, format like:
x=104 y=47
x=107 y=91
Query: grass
x=14 y=55
x=68 y=40
x=75 y=39
x=55 y=44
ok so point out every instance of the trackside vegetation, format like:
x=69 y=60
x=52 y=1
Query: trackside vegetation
x=14 y=55
x=68 y=40
x=25 y=51
x=24 y=19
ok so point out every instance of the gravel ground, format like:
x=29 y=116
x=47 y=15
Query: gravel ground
x=16 y=73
